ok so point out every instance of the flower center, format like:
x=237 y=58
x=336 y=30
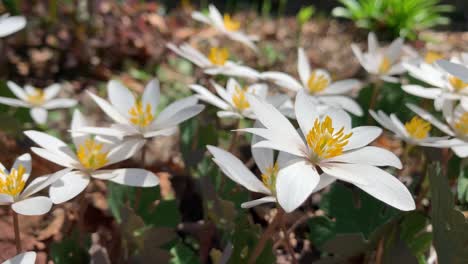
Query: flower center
x=317 y=82
x=269 y=177
x=218 y=56
x=239 y=99
x=12 y=184
x=231 y=24
x=324 y=141
x=457 y=84
x=385 y=65
x=91 y=156
x=432 y=56
x=36 y=97
x=461 y=126
x=141 y=115
x=418 y=128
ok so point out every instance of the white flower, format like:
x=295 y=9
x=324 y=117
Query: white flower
x=13 y=191
x=91 y=155
x=383 y=62
x=330 y=149
x=457 y=126
x=11 y=24
x=444 y=85
x=37 y=99
x=226 y=26
x=217 y=62
x=415 y=132
x=23 y=258
x=136 y=119
x=233 y=101
x=318 y=84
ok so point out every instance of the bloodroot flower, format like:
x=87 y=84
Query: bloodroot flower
x=38 y=100
x=13 y=191
x=329 y=149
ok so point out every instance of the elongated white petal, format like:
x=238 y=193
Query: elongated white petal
x=18 y=91
x=266 y=199
x=51 y=91
x=78 y=121
x=455 y=69
x=434 y=76
x=429 y=93
x=108 y=131
x=372 y=43
x=39 y=115
x=207 y=96
x=343 y=102
x=24 y=161
x=200 y=17
x=228 y=114
x=161 y=133
x=51 y=143
x=215 y=16
x=129 y=177
x=13 y=102
x=244 y=39
x=121 y=98
x=305 y=110
x=325 y=180
x=431 y=119
x=40 y=183
x=264 y=158
x=282 y=79
x=191 y=54
x=346 y=172
x=151 y=95
x=393 y=51
x=38 y=205
x=23 y=258
x=178 y=117
x=461 y=150
x=55 y=157
x=236 y=170
x=303 y=66
x=385 y=121
x=60 y=103
x=342 y=87
x=68 y=186
x=340 y=118
x=171 y=112
x=126 y=149
x=369 y=155
x=273 y=141
x=295 y=183
x=11 y=24
x=109 y=109
x=362 y=136
x=5 y=199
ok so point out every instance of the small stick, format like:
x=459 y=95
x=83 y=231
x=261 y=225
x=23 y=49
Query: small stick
x=17 y=232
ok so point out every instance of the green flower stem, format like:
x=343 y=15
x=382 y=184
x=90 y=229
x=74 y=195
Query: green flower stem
x=140 y=190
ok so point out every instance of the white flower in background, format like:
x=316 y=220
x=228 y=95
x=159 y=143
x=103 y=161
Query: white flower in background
x=443 y=84
x=328 y=150
x=226 y=25
x=415 y=132
x=233 y=101
x=318 y=84
x=217 y=62
x=23 y=258
x=38 y=100
x=382 y=62
x=136 y=118
x=92 y=154
x=456 y=126
x=11 y=24
x=14 y=193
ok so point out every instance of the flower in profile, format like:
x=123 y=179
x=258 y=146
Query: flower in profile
x=414 y=132
x=38 y=100
x=226 y=25
x=382 y=62
x=13 y=190
x=11 y=24
x=23 y=258
x=91 y=155
x=233 y=101
x=318 y=84
x=329 y=149
x=216 y=62
x=136 y=118
x=456 y=126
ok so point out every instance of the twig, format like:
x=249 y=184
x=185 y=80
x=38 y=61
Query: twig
x=140 y=190
x=288 y=242
x=380 y=249
x=17 y=232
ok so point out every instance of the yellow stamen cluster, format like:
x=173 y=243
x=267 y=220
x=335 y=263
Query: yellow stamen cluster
x=91 y=155
x=385 y=65
x=457 y=84
x=317 y=82
x=418 y=128
x=461 y=126
x=218 y=56
x=269 y=177
x=140 y=115
x=37 y=97
x=231 y=24
x=324 y=141
x=432 y=56
x=13 y=183
x=240 y=100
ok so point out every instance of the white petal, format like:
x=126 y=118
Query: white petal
x=38 y=205
x=303 y=66
x=161 y=133
x=23 y=258
x=295 y=183
x=129 y=177
x=78 y=121
x=369 y=155
x=114 y=131
x=215 y=16
x=13 y=102
x=305 y=110
x=18 y=91
x=39 y=115
x=458 y=70
x=346 y=172
x=276 y=141
x=417 y=90
x=393 y=51
x=343 y=86
x=430 y=118
x=177 y=112
x=228 y=114
x=68 y=186
x=344 y=102
x=121 y=98
x=264 y=158
x=282 y=79
x=51 y=91
x=40 y=183
x=191 y=54
x=151 y=95
x=266 y=199
x=372 y=43
x=109 y=109
x=461 y=151
x=59 y=159
x=200 y=17
x=244 y=39
x=52 y=144
x=236 y=170
x=125 y=150
x=385 y=121
x=60 y=103
x=25 y=161
x=205 y=95
x=10 y=25
x=325 y=180
x=5 y=199
x=362 y=136
x=339 y=118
